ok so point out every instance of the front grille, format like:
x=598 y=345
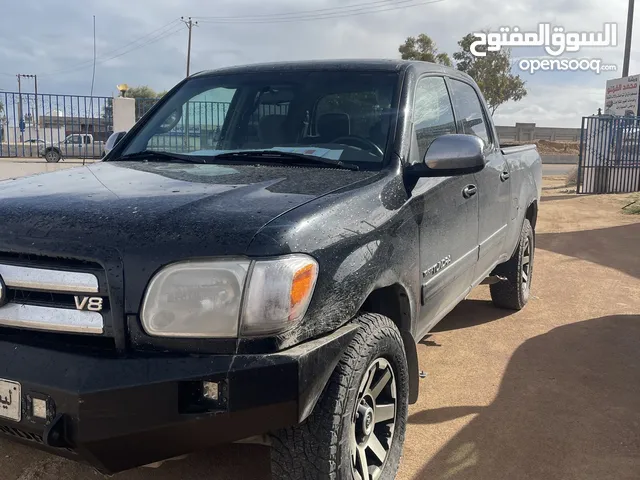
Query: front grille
x=28 y=436
x=42 y=295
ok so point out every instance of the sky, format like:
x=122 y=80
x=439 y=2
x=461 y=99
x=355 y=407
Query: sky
x=54 y=39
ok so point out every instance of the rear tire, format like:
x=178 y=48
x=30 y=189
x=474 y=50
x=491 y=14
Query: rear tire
x=360 y=419
x=513 y=293
x=52 y=156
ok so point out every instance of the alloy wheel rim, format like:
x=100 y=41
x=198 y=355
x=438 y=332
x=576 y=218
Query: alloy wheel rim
x=373 y=421
x=526 y=264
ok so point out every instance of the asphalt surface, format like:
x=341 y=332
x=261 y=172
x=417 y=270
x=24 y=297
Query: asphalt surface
x=550 y=392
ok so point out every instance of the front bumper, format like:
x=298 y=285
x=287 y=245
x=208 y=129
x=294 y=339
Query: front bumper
x=120 y=413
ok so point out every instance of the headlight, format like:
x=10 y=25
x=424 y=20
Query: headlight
x=205 y=299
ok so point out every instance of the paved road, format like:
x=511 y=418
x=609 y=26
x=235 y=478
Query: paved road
x=12 y=168
x=550 y=392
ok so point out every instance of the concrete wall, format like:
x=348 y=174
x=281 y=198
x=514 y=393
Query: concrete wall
x=528 y=132
x=124 y=114
x=560 y=159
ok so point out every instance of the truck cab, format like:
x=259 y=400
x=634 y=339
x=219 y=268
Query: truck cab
x=257 y=257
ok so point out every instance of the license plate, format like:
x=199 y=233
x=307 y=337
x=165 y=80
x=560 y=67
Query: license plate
x=10 y=400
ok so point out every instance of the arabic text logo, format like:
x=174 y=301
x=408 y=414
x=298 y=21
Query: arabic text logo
x=554 y=39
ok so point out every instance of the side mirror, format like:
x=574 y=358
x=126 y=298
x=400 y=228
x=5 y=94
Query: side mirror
x=452 y=154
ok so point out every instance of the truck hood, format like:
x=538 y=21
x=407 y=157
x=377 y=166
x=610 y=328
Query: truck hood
x=167 y=210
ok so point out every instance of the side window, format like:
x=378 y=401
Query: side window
x=469 y=111
x=432 y=112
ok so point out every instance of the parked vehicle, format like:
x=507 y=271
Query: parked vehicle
x=111 y=142
x=273 y=287
x=74 y=145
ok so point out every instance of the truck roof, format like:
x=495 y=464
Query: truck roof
x=384 y=65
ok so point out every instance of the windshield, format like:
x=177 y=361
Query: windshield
x=344 y=116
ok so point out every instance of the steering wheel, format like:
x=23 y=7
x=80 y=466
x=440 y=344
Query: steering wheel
x=359 y=142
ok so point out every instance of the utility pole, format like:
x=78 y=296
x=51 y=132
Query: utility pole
x=190 y=24
x=627 y=44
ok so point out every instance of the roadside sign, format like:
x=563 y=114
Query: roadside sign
x=621 y=98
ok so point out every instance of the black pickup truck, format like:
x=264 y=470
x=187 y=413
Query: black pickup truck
x=256 y=259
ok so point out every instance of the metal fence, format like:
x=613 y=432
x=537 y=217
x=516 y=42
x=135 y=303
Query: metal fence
x=78 y=126
x=73 y=125
x=200 y=125
x=143 y=105
x=609 y=160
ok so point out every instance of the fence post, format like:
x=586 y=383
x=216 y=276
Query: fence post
x=124 y=113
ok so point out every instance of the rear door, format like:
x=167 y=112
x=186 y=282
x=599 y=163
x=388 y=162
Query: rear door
x=448 y=220
x=493 y=181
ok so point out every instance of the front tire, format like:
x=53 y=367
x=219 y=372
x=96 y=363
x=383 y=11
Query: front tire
x=52 y=156
x=513 y=293
x=357 y=429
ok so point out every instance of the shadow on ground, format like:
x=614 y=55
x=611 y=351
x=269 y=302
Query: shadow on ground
x=609 y=247
x=568 y=408
x=227 y=462
x=471 y=313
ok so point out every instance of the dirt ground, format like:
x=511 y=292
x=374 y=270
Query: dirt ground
x=551 y=392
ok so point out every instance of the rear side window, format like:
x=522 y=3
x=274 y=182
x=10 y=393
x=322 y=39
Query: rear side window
x=432 y=112
x=468 y=111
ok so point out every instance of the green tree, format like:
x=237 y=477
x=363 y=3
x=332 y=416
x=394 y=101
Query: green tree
x=423 y=48
x=142 y=91
x=492 y=73
x=145 y=97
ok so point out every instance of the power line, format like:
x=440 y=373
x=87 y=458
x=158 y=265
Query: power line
x=306 y=12
x=342 y=12
x=152 y=36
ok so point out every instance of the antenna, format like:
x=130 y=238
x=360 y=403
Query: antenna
x=93 y=80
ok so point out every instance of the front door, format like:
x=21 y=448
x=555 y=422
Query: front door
x=446 y=212
x=493 y=180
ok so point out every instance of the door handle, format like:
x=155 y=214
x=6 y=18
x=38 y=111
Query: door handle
x=504 y=176
x=469 y=191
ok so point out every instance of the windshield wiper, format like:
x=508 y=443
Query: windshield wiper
x=160 y=156
x=285 y=158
